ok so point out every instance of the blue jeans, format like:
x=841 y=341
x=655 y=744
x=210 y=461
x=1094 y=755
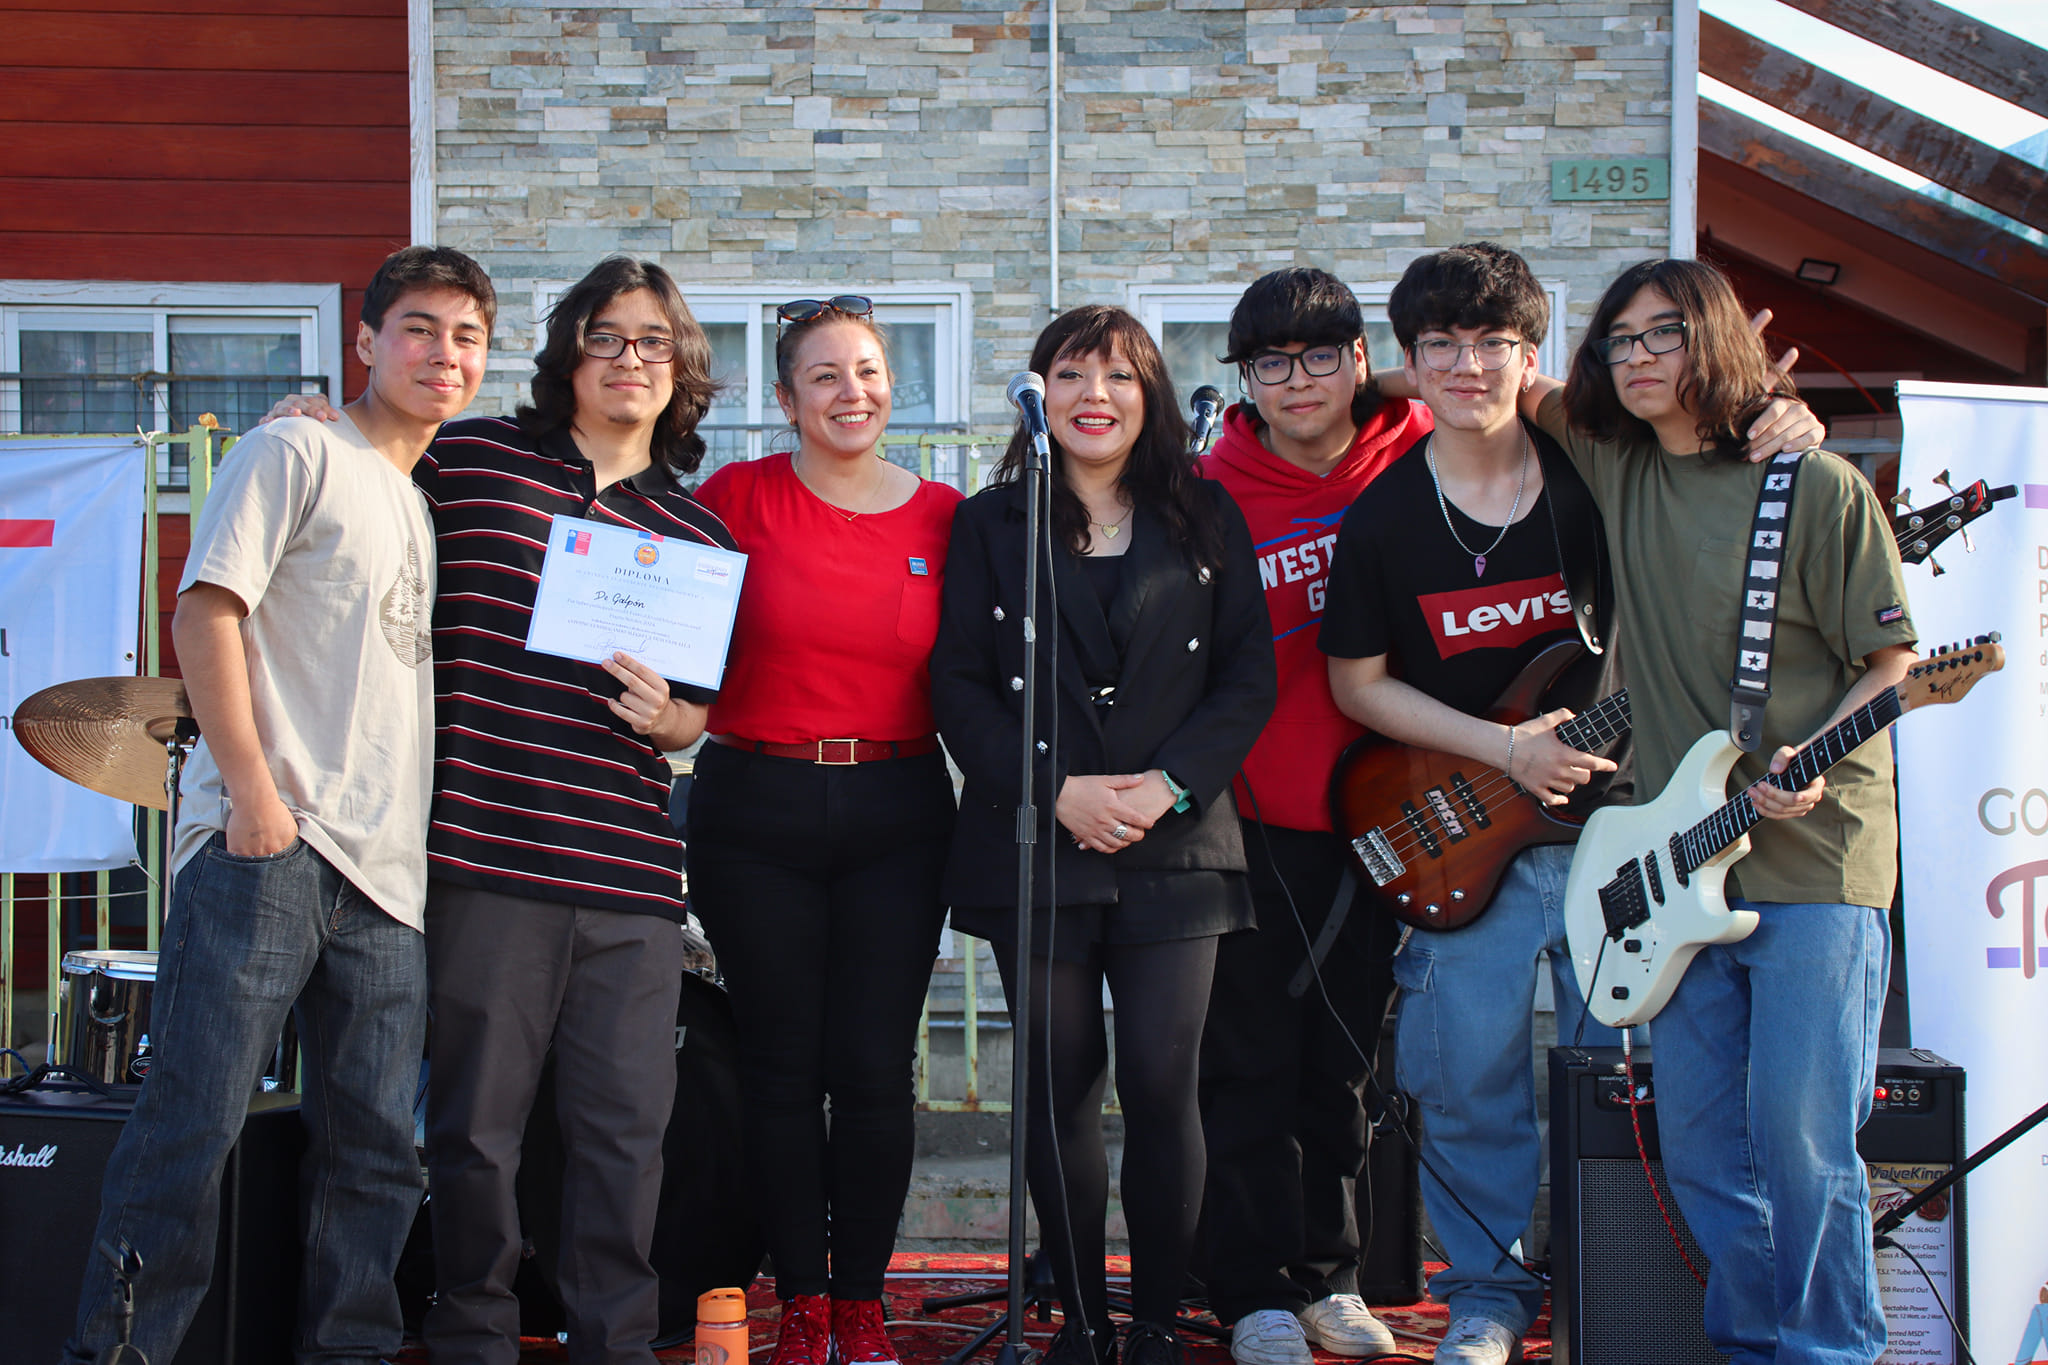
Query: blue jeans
x=1464 y=1050
x=248 y=940
x=1766 y=1062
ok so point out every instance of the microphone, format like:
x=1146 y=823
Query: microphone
x=1027 y=394
x=1208 y=401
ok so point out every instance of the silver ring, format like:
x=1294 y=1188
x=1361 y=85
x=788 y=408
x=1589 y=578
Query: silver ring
x=1119 y=833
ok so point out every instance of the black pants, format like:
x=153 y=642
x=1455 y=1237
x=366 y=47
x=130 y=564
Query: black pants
x=819 y=886
x=1282 y=1085
x=509 y=977
x=1160 y=991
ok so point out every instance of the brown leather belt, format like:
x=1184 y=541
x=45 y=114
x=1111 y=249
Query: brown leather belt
x=835 y=753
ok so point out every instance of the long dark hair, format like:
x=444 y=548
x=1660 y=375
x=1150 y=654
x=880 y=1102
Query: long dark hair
x=1727 y=371
x=1159 y=473
x=677 y=447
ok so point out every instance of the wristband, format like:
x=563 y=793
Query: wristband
x=1179 y=793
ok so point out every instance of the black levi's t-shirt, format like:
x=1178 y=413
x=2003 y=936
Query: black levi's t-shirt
x=1401 y=586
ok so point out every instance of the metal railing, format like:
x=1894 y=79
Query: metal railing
x=60 y=403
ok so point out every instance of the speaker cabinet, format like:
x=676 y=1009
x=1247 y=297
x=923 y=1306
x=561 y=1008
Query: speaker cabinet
x=1618 y=1287
x=1389 y=1201
x=54 y=1146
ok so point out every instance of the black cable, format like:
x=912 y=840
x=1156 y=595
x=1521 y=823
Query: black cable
x=1907 y=1252
x=1372 y=1078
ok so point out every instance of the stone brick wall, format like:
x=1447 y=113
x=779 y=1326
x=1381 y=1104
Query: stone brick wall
x=857 y=142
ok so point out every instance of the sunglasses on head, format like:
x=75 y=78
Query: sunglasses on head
x=804 y=310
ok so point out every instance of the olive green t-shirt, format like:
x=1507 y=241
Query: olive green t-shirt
x=1678 y=530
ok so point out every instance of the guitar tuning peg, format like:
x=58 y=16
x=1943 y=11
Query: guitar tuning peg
x=1903 y=498
x=1935 y=565
x=1941 y=479
x=1969 y=546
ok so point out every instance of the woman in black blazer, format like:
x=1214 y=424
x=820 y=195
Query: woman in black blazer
x=1164 y=677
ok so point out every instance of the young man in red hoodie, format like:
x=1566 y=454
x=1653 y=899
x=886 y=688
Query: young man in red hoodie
x=1281 y=1083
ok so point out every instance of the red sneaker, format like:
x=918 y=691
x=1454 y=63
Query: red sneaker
x=806 y=1335
x=858 y=1335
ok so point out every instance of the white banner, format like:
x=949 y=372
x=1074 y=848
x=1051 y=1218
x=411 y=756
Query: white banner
x=70 y=597
x=1973 y=816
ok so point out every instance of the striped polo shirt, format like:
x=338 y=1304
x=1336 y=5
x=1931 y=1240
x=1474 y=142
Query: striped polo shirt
x=539 y=790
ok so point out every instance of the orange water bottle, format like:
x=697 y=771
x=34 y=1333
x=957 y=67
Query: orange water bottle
x=722 y=1327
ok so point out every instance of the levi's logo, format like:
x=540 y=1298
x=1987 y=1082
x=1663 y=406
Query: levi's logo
x=45 y=1156
x=1497 y=616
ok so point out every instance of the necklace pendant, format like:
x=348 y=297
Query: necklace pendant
x=1109 y=532
x=1479 y=566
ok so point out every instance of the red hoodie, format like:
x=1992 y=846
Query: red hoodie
x=1294 y=516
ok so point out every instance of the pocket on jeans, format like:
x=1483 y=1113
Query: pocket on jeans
x=219 y=849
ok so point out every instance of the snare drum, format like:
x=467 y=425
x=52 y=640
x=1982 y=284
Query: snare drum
x=103 y=1014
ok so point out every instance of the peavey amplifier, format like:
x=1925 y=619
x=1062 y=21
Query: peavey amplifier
x=1620 y=1295
x=54 y=1145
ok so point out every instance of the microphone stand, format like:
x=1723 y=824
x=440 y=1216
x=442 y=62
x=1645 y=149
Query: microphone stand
x=1037 y=462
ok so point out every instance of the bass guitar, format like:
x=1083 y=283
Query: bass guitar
x=1918 y=532
x=1434 y=832
x=1645 y=892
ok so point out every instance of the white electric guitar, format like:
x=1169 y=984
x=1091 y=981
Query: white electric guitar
x=1645 y=890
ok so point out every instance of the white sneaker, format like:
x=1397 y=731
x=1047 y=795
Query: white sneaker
x=1342 y=1325
x=1478 y=1341
x=1269 y=1336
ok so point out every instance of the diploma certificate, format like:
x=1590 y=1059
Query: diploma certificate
x=667 y=602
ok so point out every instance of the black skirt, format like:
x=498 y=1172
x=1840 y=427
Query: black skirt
x=1153 y=905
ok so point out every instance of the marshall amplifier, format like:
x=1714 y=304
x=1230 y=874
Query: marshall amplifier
x=54 y=1146
x=1620 y=1295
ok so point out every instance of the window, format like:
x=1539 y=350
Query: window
x=930 y=329
x=1192 y=326
x=89 y=357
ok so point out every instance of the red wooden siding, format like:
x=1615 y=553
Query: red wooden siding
x=230 y=141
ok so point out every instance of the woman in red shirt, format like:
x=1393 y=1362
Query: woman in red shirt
x=820 y=821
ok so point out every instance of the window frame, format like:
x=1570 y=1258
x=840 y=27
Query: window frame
x=949 y=306
x=105 y=304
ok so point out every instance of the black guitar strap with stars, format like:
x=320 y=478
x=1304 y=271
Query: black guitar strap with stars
x=1760 y=587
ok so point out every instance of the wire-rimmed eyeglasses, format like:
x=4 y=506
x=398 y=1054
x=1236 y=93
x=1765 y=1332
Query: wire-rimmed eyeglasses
x=655 y=350
x=1443 y=353
x=1662 y=339
x=803 y=310
x=1277 y=367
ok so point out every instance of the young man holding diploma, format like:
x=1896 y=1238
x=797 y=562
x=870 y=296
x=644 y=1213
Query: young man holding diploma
x=557 y=888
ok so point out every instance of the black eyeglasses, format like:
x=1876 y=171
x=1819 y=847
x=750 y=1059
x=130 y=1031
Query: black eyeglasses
x=1659 y=340
x=1443 y=353
x=610 y=346
x=1277 y=367
x=803 y=310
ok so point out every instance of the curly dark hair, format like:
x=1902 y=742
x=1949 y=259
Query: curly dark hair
x=677 y=446
x=1159 y=473
x=1481 y=285
x=1728 y=377
x=1299 y=304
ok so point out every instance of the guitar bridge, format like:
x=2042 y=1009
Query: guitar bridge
x=1461 y=787
x=1622 y=903
x=1376 y=851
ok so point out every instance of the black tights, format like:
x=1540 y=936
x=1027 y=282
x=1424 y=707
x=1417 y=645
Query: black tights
x=1161 y=992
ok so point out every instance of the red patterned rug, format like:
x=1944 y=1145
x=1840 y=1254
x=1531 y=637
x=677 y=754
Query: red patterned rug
x=925 y=1340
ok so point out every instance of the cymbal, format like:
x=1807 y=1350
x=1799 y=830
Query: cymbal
x=106 y=733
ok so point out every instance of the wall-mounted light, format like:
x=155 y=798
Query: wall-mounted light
x=1819 y=272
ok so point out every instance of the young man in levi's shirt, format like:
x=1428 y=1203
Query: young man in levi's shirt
x=1450 y=577
x=1281 y=1085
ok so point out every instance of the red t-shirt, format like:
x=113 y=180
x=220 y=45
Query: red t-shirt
x=837 y=617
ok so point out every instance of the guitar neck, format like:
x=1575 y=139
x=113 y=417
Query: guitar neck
x=1731 y=821
x=1599 y=725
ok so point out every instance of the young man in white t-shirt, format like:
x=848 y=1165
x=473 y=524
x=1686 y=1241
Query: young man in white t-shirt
x=300 y=855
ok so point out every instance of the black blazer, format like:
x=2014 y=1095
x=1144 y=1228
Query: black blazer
x=1196 y=687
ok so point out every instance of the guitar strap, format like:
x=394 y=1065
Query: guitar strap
x=1333 y=924
x=1751 y=689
